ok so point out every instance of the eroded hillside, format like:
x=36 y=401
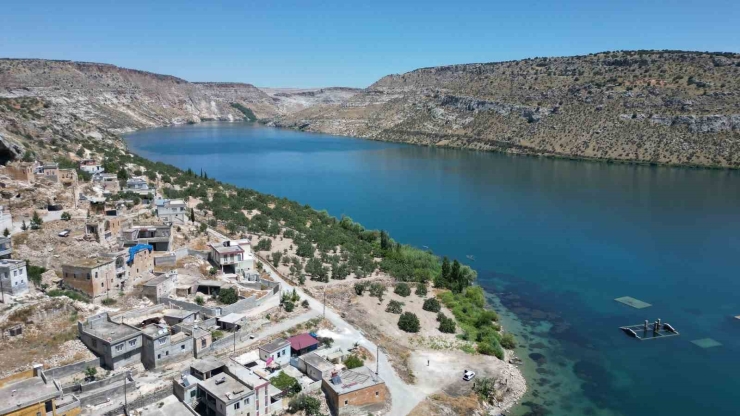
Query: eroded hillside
x=646 y=106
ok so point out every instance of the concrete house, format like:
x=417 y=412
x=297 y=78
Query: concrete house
x=160 y=287
x=158 y=236
x=13 y=277
x=179 y=316
x=117 y=344
x=234 y=256
x=49 y=171
x=32 y=393
x=315 y=366
x=94 y=277
x=173 y=212
x=357 y=391
x=161 y=346
x=224 y=395
x=205 y=368
x=108 y=181
x=139 y=186
x=232 y=322
x=277 y=352
x=91 y=166
x=6 y=247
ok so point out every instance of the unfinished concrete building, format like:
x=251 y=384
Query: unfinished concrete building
x=163 y=346
x=356 y=391
x=33 y=393
x=117 y=344
x=6 y=247
x=158 y=236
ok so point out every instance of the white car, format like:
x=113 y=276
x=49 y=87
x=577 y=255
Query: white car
x=468 y=375
x=64 y=233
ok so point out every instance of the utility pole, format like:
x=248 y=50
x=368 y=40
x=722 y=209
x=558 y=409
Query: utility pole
x=325 y=301
x=125 y=395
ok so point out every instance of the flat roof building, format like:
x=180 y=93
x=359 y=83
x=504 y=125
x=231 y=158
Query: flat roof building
x=94 y=276
x=13 y=277
x=117 y=344
x=354 y=391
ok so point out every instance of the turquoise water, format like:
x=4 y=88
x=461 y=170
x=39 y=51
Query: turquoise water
x=555 y=240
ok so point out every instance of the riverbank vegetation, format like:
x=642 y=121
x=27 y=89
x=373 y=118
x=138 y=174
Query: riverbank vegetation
x=326 y=247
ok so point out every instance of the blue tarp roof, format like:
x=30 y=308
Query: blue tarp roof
x=137 y=248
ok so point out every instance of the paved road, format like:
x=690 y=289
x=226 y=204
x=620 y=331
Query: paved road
x=404 y=397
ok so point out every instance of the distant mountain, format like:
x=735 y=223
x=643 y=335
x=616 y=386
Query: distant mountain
x=663 y=107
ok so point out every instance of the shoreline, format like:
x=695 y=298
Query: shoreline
x=512 y=373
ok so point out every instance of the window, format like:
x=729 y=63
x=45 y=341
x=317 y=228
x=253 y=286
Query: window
x=192 y=393
x=246 y=401
x=102 y=284
x=159 y=356
x=166 y=353
x=182 y=347
x=132 y=342
x=203 y=342
x=95 y=343
x=237 y=405
x=345 y=402
x=377 y=394
x=96 y=275
x=119 y=347
x=162 y=340
x=278 y=354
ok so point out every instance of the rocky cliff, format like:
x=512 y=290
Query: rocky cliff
x=663 y=107
x=121 y=100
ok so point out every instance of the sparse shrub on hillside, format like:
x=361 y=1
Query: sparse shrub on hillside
x=431 y=305
x=402 y=289
x=409 y=322
x=394 y=306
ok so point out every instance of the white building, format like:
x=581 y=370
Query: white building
x=277 y=352
x=13 y=277
x=6 y=220
x=234 y=256
x=138 y=185
x=174 y=211
x=91 y=166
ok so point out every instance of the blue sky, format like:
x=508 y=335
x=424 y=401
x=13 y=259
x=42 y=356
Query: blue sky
x=349 y=43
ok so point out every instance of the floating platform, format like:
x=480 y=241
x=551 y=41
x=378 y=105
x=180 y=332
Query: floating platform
x=639 y=332
x=706 y=343
x=635 y=303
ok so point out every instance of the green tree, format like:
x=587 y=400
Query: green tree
x=36 y=221
x=409 y=322
x=431 y=305
x=421 y=289
x=402 y=289
x=447 y=325
x=227 y=296
x=394 y=306
x=6 y=232
x=360 y=288
x=122 y=174
x=276 y=258
x=311 y=406
x=90 y=373
x=508 y=341
x=353 y=361
x=286 y=383
x=377 y=290
x=385 y=241
x=66 y=216
x=192 y=215
x=199 y=300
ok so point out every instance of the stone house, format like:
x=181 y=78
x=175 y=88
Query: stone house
x=104 y=229
x=22 y=171
x=67 y=177
x=94 y=277
x=117 y=344
x=13 y=277
x=162 y=346
x=160 y=287
x=108 y=181
x=49 y=171
x=356 y=391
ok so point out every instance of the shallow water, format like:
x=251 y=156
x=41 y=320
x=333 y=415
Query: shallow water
x=555 y=240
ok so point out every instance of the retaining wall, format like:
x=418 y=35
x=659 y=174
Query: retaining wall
x=69 y=369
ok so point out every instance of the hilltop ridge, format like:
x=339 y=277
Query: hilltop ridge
x=661 y=107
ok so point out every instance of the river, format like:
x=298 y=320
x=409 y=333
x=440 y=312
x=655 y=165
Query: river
x=556 y=241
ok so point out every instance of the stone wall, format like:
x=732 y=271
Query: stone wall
x=78 y=367
x=151 y=398
x=189 y=306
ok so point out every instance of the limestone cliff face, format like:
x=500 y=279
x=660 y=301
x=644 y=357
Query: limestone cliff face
x=122 y=100
x=645 y=106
